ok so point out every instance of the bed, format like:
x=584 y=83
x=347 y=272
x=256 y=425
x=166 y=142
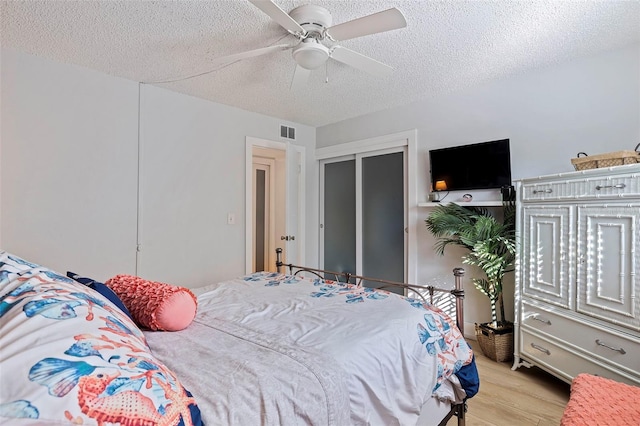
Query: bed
x=267 y=348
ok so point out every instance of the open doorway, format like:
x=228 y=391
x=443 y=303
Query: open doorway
x=274 y=203
x=268 y=205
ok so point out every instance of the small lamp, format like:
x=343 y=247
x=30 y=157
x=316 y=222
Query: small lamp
x=441 y=185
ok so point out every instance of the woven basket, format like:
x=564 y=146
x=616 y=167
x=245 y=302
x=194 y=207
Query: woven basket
x=618 y=158
x=497 y=346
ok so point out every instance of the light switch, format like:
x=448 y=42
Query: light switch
x=231 y=219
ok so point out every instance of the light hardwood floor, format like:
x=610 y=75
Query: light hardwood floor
x=513 y=398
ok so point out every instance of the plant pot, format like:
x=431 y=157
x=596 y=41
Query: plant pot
x=495 y=343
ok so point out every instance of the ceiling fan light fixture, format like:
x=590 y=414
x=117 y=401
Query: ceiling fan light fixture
x=310 y=54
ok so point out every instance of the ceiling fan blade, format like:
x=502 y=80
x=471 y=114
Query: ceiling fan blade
x=278 y=15
x=390 y=19
x=300 y=77
x=249 y=54
x=361 y=62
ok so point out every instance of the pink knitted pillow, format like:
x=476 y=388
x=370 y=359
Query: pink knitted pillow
x=600 y=401
x=155 y=305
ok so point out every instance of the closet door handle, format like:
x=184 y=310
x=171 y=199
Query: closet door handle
x=541 y=349
x=543 y=191
x=618 y=186
x=601 y=343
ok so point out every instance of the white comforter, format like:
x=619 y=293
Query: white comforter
x=389 y=353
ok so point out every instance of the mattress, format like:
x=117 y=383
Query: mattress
x=368 y=357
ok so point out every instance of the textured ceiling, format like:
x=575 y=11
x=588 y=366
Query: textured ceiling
x=447 y=45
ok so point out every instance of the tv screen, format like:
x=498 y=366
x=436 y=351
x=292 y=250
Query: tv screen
x=477 y=166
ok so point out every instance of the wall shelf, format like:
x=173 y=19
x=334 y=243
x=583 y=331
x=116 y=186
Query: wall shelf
x=493 y=203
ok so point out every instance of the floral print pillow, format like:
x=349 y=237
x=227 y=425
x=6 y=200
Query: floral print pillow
x=69 y=356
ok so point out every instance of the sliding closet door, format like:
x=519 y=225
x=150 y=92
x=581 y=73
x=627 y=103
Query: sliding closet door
x=362 y=216
x=339 y=218
x=383 y=236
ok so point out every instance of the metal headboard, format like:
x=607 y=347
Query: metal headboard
x=457 y=291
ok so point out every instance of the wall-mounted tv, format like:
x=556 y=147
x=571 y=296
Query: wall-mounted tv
x=483 y=165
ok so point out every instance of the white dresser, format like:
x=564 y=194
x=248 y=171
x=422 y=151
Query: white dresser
x=577 y=298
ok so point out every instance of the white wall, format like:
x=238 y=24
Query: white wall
x=68 y=166
x=193 y=175
x=591 y=104
x=69 y=174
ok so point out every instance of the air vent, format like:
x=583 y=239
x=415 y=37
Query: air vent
x=287 y=132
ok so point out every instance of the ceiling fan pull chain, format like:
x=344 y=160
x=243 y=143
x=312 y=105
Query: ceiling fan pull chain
x=326 y=72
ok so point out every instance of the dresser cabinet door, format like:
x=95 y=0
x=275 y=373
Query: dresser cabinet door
x=608 y=280
x=546 y=254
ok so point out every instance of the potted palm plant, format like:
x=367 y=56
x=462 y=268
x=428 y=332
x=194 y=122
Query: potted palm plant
x=491 y=246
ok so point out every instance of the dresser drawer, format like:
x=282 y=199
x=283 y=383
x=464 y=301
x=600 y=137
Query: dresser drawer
x=545 y=191
x=612 y=187
x=611 y=346
x=567 y=363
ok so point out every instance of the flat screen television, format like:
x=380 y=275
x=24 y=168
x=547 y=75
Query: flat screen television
x=483 y=165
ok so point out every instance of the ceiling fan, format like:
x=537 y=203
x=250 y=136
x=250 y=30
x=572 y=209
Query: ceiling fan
x=312 y=25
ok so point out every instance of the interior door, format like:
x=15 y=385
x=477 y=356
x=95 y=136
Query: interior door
x=363 y=214
x=294 y=233
x=263 y=215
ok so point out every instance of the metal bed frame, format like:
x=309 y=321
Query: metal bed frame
x=457 y=410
